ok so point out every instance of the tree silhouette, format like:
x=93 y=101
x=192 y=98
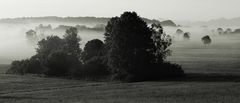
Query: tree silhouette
x=179 y=31
x=161 y=42
x=130 y=45
x=72 y=45
x=229 y=31
x=206 y=40
x=93 y=51
x=32 y=36
x=48 y=45
x=220 y=31
x=186 y=36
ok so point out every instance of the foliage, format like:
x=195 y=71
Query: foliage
x=131 y=44
x=179 y=31
x=48 y=45
x=32 y=36
x=220 y=30
x=92 y=70
x=71 y=45
x=228 y=30
x=59 y=63
x=93 y=58
x=32 y=66
x=161 y=71
x=93 y=51
x=132 y=51
x=186 y=36
x=206 y=40
x=161 y=43
x=134 y=47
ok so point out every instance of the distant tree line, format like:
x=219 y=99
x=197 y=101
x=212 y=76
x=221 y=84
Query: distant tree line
x=221 y=31
x=131 y=51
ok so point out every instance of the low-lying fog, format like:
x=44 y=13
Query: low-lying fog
x=14 y=45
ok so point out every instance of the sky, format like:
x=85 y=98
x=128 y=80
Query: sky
x=194 y=10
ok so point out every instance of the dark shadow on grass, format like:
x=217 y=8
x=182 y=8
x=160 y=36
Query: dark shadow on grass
x=200 y=77
x=21 y=98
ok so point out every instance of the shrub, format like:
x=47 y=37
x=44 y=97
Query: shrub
x=17 y=67
x=32 y=66
x=159 y=71
x=92 y=70
x=59 y=63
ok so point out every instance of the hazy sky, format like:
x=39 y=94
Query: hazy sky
x=171 y=9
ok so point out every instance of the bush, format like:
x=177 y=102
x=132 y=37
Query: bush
x=59 y=64
x=160 y=71
x=92 y=70
x=32 y=66
x=17 y=67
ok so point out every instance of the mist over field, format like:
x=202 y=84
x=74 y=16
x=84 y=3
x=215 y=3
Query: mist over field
x=220 y=56
x=119 y=51
x=14 y=44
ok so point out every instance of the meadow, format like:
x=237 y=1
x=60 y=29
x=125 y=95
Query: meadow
x=31 y=89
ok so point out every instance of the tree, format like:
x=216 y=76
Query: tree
x=161 y=42
x=58 y=64
x=93 y=51
x=186 y=36
x=236 y=31
x=32 y=36
x=220 y=31
x=130 y=45
x=229 y=31
x=49 y=45
x=72 y=45
x=179 y=31
x=206 y=40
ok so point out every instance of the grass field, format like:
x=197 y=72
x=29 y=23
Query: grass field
x=28 y=89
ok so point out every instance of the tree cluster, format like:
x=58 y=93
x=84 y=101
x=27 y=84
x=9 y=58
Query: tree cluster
x=132 y=51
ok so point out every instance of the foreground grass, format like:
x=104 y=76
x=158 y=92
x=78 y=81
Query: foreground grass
x=28 y=89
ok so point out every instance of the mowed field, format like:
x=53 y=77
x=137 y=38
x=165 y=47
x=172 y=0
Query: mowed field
x=28 y=89
x=213 y=77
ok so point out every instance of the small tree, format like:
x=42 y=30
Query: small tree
x=32 y=36
x=93 y=51
x=58 y=64
x=220 y=31
x=206 y=40
x=93 y=65
x=179 y=31
x=186 y=36
x=48 y=46
x=72 y=45
x=229 y=31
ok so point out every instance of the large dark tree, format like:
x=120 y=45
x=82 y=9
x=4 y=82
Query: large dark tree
x=131 y=45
